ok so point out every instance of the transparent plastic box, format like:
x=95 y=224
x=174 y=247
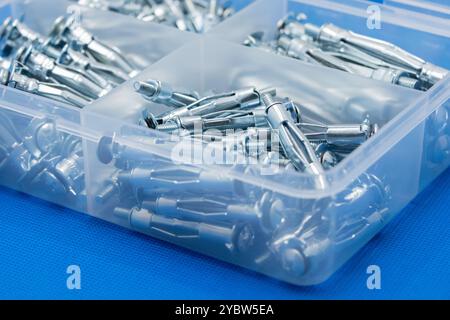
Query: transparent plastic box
x=433 y=7
x=284 y=224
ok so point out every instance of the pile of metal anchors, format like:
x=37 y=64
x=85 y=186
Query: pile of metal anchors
x=257 y=124
x=70 y=65
x=331 y=46
x=187 y=15
x=199 y=208
x=213 y=212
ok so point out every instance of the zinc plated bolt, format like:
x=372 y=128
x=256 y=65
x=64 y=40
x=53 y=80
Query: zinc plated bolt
x=291 y=26
x=265 y=214
x=195 y=16
x=331 y=35
x=170 y=178
x=47 y=69
x=386 y=74
x=83 y=64
x=178 y=15
x=14 y=34
x=235 y=239
x=161 y=92
x=240 y=99
x=112 y=74
x=294 y=142
x=211 y=18
x=67 y=29
x=297 y=48
x=199 y=209
x=345 y=136
x=46 y=89
x=255 y=118
x=361 y=209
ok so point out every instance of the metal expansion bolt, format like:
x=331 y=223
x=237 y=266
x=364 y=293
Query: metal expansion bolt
x=290 y=26
x=306 y=51
x=346 y=136
x=297 y=48
x=195 y=16
x=330 y=35
x=295 y=144
x=200 y=209
x=178 y=15
x=386 y=74
x=256 y=118
x=238 y=239
x=181 y=178
x=240 y=99
x=47 y=69
x=50 y=90
x=161 y=92
x=264 y=215
x=361 y=207
x=75 y=60
x=211 y=18
x=68 y=30
x=13 y=34
x=103 y=74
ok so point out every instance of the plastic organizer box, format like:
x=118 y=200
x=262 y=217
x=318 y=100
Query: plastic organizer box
x=98 y=160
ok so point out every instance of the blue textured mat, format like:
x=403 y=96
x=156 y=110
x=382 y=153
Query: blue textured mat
x=39 y=240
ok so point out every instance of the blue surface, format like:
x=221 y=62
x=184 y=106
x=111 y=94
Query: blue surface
x=38 y=241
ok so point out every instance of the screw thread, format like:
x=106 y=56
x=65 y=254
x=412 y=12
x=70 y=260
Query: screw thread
x=167 y=127
x=146 y=89
x=409 y=82
x=268 y=100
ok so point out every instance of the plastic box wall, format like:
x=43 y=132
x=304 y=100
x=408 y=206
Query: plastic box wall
x=438 y=8
x=322 y=224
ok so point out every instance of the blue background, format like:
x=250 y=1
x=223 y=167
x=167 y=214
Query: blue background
x=38 y=241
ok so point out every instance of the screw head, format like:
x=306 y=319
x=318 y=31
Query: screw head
x=47 y=137
x=244 y=238
x=104 y=150
x=151 y=121
x=292 y=261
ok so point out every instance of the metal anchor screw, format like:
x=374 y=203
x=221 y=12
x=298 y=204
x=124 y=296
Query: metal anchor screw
x=160 y=92
x=294 y=142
